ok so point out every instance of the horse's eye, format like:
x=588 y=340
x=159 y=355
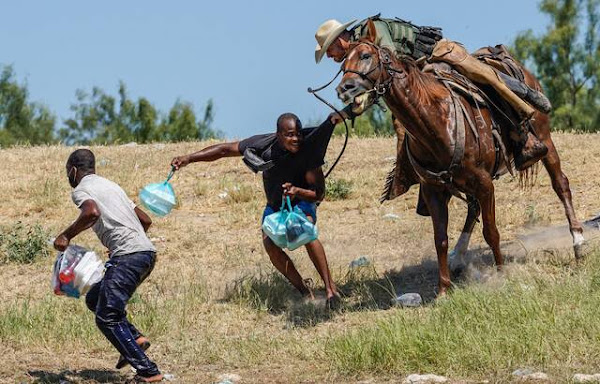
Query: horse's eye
x=365 y=56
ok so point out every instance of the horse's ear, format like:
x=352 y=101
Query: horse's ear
x=371 y=31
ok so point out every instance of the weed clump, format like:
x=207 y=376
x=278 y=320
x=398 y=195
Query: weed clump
x=23 y=244
x=338 y=189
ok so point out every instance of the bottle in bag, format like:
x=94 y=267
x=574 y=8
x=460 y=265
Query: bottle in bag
x=72 y=256
x=67 y=275
x=293 y=230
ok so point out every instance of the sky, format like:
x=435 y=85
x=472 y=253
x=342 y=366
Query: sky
x=255 y=59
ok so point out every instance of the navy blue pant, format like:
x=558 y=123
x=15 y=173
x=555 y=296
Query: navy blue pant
x=108 y=298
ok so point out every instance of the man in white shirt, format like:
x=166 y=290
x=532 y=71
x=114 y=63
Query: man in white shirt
x=121 y=227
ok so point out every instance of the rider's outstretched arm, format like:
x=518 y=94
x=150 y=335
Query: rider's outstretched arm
x=211 y=153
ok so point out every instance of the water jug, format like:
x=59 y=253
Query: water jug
x=159 y=198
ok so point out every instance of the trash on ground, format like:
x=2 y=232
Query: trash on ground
x=360 y=262
x=583 y=378
x=409 y=300
x=529 y=375
x=424 y=379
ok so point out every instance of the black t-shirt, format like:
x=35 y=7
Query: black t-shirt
x=289 y=167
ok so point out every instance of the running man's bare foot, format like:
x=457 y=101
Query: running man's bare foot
x=151 y=379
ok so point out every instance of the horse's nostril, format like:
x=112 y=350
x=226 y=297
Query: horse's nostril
x=346 y=87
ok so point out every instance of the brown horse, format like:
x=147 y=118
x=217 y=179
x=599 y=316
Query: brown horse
x=448 y=160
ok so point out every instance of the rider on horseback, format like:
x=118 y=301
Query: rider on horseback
x=426 y=43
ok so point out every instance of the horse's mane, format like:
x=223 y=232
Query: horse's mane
x=425 y=87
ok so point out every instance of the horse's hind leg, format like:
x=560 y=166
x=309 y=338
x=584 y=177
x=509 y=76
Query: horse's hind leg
x=560 y=184
x=486 y=198
x=437 y=203
x=456 y=256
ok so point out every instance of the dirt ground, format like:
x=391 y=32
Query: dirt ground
x=214 y=241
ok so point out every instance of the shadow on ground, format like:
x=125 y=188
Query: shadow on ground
x=364 y=288
x=86 y=375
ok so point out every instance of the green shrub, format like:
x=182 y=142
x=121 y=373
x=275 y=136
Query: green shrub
x=23 y=244
x=338 y=189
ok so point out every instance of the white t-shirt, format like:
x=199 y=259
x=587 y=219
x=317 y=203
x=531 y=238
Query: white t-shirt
x=118 y=227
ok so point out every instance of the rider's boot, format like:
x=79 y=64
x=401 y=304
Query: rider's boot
x=537 y=99
x=528 y=149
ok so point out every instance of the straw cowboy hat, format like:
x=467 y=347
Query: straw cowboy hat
x=326 y=34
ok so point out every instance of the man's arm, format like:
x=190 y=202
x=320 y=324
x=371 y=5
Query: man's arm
x=212 y=153
x=315 y=178
x=87 y=218
x=145 y=220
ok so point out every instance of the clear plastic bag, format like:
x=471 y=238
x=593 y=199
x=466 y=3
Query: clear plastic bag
x=289 y=228
x=274 y=227
x=159 y=198
x=298 y=230
x=75 y=271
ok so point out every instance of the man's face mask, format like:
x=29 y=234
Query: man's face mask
x=72 y=176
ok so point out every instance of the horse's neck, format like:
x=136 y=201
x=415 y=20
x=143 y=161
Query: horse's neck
x=427 y=121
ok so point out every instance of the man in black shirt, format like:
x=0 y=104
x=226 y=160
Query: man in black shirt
x=291 y=161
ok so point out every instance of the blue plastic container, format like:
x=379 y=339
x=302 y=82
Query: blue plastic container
x=159 y=198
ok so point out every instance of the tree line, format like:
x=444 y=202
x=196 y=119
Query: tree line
x=565 y=58
x=97 y=117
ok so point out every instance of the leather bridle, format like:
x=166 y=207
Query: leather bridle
x=380 y=85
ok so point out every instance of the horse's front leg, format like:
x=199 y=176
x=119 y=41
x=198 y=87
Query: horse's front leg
x=457 y=261
x=437 y=203
x=487 y=200
x=560 y=184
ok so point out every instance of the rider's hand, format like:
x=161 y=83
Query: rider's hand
x=180 y=162
x=61 y=242
x=289 y=190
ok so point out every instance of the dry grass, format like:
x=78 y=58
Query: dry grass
x=213 y=304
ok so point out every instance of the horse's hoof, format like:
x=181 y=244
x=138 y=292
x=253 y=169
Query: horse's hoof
x=457 y=269
x=456 y=263
x=580 y=250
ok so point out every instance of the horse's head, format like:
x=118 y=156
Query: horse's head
x=364 y=77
